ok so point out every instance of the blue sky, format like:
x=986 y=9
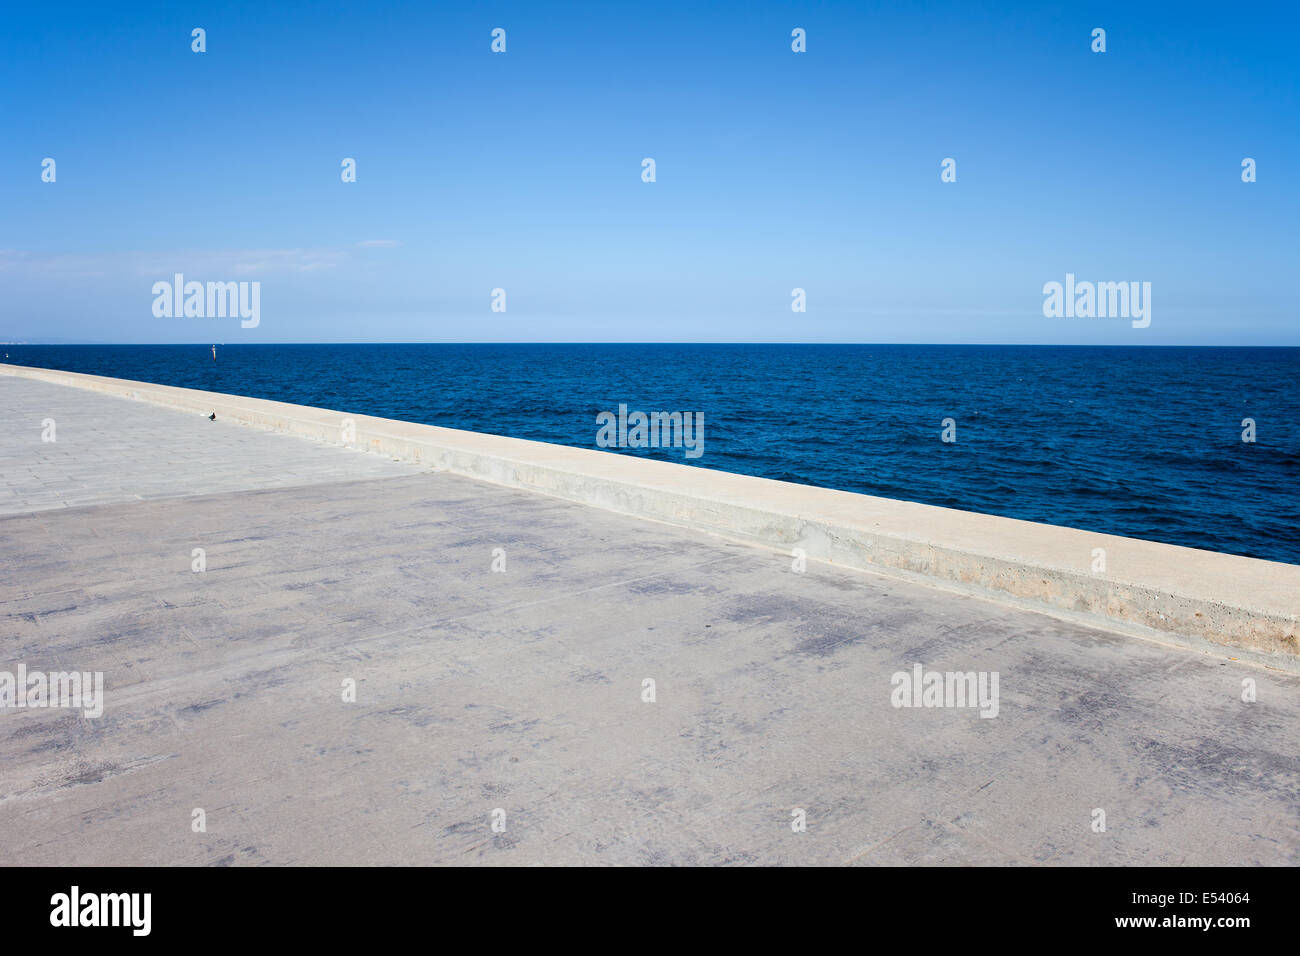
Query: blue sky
x=775 y=170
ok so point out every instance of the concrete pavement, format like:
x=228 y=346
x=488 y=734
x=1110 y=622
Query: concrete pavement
x=518 y=696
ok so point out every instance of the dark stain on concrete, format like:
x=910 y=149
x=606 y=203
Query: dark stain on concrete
x=200 y=707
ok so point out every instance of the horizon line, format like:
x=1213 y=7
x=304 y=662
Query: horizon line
x=1050 y=345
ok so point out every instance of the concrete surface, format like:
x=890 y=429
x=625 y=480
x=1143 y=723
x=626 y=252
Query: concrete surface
x=522 y=690
x=111 y=452
x=1201 y=599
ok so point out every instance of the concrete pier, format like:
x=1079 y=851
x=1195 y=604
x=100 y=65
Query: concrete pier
x=1199 y=599
x=518 y=696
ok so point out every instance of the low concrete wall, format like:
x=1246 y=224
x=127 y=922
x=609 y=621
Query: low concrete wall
x=1210 y=601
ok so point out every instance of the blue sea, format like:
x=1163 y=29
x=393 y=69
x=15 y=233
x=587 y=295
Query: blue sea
x=1145 y=442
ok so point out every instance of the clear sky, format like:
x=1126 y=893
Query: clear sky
x=775 y=170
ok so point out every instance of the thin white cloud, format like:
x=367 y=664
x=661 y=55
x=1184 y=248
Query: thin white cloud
x=213 y=263
x=243 y=261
